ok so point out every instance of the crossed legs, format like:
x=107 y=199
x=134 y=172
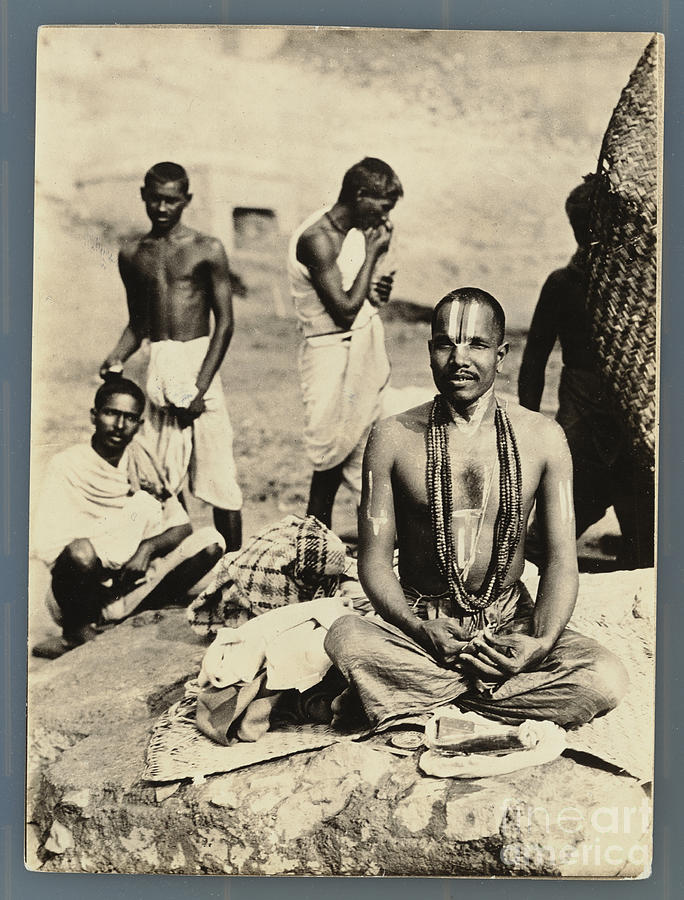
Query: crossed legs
x=390 y=675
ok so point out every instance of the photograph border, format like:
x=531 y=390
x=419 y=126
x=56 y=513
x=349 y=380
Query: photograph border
x=17 y=100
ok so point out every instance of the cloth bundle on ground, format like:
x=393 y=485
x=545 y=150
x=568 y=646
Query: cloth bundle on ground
x=287 y=562
x=246 y=669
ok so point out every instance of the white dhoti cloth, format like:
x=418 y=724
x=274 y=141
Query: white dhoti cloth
x=158 y=569
x=342 y=378
x=287 y=642
x=343 y=373
x=203 y=450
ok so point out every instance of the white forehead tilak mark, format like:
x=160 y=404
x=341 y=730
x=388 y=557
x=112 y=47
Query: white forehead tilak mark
x=455 y=315
x=471 y=321
x=464 y=320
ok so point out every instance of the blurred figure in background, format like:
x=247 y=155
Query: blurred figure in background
x=605 y=469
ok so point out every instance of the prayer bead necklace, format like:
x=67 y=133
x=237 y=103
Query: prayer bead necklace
x=508 y=525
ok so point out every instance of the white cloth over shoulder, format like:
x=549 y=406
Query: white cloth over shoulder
x=204 y=449
x=343 y=373
x=288 y=641
x=83 y=496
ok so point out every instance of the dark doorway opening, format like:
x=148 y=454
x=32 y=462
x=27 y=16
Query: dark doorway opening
x=254 y=227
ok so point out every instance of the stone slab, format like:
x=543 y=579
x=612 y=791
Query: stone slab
x=350 y=809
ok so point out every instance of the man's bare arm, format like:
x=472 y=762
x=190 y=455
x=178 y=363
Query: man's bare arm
x=440 y=637
x=540 y=340
x=317 y=252
x=377 y=533
x=137 y=327
x=150 y=549
x=222 y=307
x=555 y=508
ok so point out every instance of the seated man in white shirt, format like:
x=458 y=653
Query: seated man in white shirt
x=113 y=536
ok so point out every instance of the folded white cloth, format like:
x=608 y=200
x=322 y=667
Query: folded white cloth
x=288 y=641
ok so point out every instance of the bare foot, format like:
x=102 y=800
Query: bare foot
x=54 y=647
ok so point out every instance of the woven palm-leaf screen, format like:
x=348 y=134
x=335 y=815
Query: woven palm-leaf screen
x=624 y=254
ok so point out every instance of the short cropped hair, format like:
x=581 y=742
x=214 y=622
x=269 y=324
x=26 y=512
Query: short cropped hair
x=372 y=175
x=114 y=386
x=578 y=209
x=164 y=172
x=474 y=295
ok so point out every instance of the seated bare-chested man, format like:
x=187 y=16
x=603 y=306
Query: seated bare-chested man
x=175 y=279
x=454 y=480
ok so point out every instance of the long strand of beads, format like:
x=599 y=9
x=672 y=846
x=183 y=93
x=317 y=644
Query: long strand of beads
x=508 y=524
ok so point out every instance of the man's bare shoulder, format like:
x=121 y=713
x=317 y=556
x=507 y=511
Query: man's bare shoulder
x=207 y=246
x=392 y=437
x=561 y=279
x=415 y=418
x=315 y=244
x=411 y=420
x=537 y=430
x=208 y=241
x=130 y=246
x=315 y=228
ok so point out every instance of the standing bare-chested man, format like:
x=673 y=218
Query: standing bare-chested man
x=455 y=480
x=175 y=279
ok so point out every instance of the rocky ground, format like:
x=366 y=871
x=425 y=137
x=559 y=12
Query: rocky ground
x=351 y=808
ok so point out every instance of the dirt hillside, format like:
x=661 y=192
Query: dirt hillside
x=488 y=134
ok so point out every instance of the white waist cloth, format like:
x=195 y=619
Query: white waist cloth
x=288 y=641
x=204 y=450
x=342 y=379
